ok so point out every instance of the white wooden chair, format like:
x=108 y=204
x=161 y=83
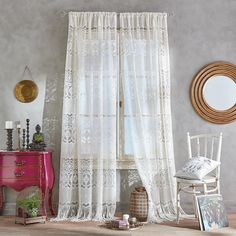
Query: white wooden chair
x=210 y=183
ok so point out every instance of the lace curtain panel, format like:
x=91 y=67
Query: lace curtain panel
x=145 y=75
x=88 y=148
x=89 y=128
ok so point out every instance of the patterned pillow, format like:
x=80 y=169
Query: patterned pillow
x=197 y=168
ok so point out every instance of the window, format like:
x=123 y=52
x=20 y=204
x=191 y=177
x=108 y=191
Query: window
x=125 y=154
x=125 y=150
x=141 y=61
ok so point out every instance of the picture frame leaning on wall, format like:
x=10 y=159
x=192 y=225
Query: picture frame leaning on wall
x=211 y=212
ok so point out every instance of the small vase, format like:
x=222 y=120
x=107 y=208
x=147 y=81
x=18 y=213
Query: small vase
x=139 y=204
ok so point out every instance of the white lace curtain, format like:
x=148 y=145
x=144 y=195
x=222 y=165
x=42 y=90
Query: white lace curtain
x=146 y=84
x=88 y=150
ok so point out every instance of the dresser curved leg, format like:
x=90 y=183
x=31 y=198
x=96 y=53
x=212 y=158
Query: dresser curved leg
x=44 y=202
x=50 y=202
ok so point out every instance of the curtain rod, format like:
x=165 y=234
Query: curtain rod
x=63 y=13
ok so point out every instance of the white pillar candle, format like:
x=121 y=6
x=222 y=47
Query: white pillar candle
x=126 y=217
x=9 y=124
x=18 y=126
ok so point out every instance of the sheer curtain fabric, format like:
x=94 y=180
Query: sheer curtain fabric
x=88 y=150
x=144 y=57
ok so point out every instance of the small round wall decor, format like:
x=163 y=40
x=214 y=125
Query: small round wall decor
x=26 y=91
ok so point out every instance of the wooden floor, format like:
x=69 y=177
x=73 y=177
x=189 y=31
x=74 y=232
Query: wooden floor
x=185 y=228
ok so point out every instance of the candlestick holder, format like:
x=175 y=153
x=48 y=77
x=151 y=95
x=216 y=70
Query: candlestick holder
x=27 y=134
x=23 y=139
x=9 y=139
x=18 y=134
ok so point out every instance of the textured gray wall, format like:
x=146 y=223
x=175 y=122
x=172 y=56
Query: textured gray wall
x=33 y=33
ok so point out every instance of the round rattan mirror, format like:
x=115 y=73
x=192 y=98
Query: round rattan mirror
x=213 y=93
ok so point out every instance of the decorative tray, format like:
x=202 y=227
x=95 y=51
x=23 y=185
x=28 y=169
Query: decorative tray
x=109 y=225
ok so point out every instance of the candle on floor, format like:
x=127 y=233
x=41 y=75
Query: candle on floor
x=126 y=219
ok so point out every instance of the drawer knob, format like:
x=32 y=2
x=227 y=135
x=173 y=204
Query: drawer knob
x=19 y=174
x=20 y=163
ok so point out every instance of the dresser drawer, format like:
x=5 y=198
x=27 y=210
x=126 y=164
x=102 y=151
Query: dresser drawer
x=19 y=172
x=7 y=161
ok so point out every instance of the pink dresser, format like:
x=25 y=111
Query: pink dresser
x=23 y=169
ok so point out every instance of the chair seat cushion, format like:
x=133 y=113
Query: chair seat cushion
x=197 y=168
x=206 y=180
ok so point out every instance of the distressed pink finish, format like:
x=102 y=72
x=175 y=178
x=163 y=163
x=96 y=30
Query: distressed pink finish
x=19 y=170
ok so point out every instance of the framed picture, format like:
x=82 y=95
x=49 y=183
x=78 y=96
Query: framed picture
x=211 y=212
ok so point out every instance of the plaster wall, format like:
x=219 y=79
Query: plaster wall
x=34 y=33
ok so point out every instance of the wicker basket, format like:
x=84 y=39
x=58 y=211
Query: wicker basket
x=139 y=204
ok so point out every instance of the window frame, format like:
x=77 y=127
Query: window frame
x=124 y=162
